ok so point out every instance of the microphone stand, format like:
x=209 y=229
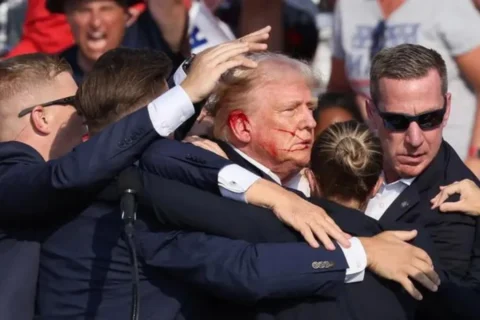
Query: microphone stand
x=128 y=205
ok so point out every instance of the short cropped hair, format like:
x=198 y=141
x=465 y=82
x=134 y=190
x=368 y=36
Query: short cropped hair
x=18 y=75
x=405 y=62
x=347 y=161
x=121 y=81
x=233 y=89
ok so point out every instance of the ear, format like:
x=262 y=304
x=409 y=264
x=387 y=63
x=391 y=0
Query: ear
x=377 y=187
x=448 y=101
x=40 y=121
x=239 y=125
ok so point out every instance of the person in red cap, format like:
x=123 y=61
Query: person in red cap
x=44 y=31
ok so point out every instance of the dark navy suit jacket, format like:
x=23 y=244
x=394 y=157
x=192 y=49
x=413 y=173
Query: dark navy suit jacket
x=35 y=193
x=259 y=225
x=456 y=235
x=85 y=271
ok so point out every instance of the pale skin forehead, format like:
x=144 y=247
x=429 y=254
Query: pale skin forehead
x=413 y=96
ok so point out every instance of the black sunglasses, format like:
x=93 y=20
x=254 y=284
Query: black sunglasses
x=400 y=122
x=378 y=39
x=68 y=101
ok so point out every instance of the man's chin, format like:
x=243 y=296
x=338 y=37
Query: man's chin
x=410 y=171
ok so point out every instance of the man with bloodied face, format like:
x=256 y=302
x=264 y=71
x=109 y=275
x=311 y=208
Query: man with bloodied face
x=270 y=126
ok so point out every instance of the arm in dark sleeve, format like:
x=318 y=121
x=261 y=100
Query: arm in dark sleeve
x=241 y=271
x=184 y=162
x=184 y=207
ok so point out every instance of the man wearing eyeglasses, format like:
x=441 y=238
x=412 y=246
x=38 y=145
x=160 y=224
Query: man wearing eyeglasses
x=409 y=107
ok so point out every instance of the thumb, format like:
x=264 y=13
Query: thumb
x=453 y=206
x=405 y=235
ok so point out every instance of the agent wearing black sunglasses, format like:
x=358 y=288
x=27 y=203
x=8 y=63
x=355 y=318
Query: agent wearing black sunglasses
x=410 y=129
x=409 y=109
x=68 y=101
x=400 y=122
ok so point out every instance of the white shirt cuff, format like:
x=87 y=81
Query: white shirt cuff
x=357 y=261
x=179 y=75
x=170 y=110
x=234 y=181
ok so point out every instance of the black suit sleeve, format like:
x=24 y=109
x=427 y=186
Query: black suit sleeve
x=210 y=213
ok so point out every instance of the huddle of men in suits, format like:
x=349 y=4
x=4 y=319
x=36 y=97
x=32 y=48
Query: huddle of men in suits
x=228 y=227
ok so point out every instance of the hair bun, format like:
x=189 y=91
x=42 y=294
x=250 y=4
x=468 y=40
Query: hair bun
x=352 y=154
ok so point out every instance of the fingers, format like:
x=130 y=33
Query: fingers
x=322 y=235
x=226 y=52
x=426 y=276
x=337 y=234
x=454 y=207
x=410 y=288
x=421 y=255
x=444 y=194
x=404 y=235
x=308 y=236
x=227 y=66
x=246 y=62
x=257 y=35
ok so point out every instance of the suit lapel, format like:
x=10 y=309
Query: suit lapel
x=235 y=157
x=404 y=202
x=427 y=180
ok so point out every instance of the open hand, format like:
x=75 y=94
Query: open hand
x=209 y=65
x=310 y=220
x=392 y=258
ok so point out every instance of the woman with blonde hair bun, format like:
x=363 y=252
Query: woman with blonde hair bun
x=347 y=164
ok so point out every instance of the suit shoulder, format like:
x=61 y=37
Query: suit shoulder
x=16 y=152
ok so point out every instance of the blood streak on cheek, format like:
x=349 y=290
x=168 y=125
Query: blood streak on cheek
x=292 y=133
x=271 y=148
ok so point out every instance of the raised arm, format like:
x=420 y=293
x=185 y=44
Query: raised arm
x=59 y=184
x=31 y=188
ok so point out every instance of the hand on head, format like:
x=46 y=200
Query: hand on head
x=208 y=66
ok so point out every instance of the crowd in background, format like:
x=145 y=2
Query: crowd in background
x=337 y=42
x=288 y=159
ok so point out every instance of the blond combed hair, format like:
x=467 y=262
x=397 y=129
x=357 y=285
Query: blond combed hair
x=234 y=89
x=347 y=161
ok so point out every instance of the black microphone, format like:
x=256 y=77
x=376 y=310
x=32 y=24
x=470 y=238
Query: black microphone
x=129 y=184
x=128 y=204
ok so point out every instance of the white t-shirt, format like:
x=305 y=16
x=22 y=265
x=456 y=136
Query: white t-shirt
x=451 y=27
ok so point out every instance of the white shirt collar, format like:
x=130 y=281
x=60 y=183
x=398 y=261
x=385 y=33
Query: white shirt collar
x=299 y=182
x=404 y=181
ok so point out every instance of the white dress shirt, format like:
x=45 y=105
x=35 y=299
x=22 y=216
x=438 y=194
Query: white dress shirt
x=233 y=180
x=385 y=196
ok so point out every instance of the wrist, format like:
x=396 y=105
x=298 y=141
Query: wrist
x=263 y=194
x=367 y=244
x=190 y=92
x=188 y=63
